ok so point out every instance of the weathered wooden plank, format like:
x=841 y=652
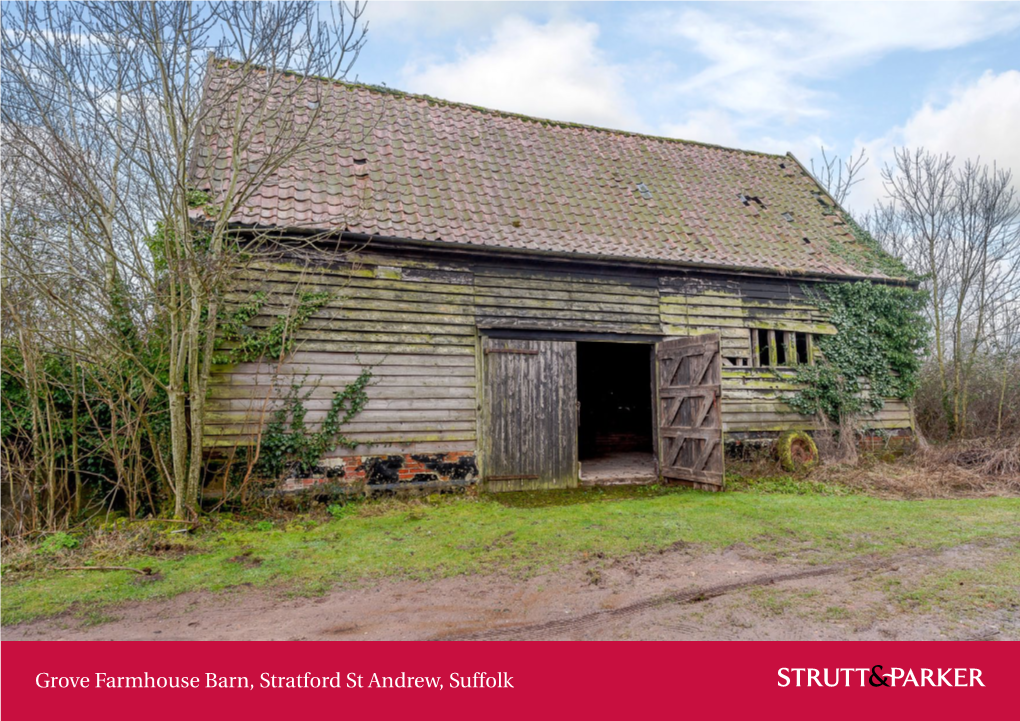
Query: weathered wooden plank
x=706 y=307
x=565 y=310
x=356 y=308
x=687 y=474
x=569 y=326
x=425 y=358
x=728 y=342
x=329 y=369
x=355 y=336
x=817 y=327
x=676 y=303
x=339 y=381
x=796 y=423
x=551 y=298
x=370 y=441
x=687 y=432
x=544 y=281
x=382 y=449
x=439 y=345
x=368 y=289
x=791 y=424
x=568 y=314
x=352 y=429
x=739 y=394
x=780 y=416
x=734 y=407
x=408 y=391
x=366 y=416
x=226 y=404
x=316 y=325
x=330 y=281
x=744 y=287
x=536 y=286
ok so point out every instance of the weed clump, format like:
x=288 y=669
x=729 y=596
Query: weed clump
x=785 y=485
x=57 y=542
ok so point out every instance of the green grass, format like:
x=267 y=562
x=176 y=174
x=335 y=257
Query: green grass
x=516 y=533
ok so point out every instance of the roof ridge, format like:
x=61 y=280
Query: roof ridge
x=386 y=90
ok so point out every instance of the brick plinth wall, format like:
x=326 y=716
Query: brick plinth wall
x=414 y=471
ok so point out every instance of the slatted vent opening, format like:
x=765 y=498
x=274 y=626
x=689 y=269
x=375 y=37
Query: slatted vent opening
x=778 y=348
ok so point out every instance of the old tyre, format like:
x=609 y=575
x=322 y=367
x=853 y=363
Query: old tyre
x=796 y=451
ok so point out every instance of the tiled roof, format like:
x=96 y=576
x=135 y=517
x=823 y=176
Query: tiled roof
x=418 y=168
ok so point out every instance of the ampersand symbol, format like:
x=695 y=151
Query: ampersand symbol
x=876 y=677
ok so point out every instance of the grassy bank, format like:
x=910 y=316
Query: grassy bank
x=514 y=533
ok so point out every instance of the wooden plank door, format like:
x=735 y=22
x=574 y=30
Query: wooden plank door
x=690 y=421
x=529 y=414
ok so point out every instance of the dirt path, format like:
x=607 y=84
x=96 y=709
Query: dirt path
x=675 y=595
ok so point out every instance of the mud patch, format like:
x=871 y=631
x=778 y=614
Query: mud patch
x=246 y=559
x=170 y=549
x=144 y=580
x=680 y=594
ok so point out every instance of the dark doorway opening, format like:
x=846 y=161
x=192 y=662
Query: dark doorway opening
x=615 y=432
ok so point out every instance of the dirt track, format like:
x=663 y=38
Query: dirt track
x=676 y=595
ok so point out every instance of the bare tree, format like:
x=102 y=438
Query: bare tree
x=105 y=107
x=958 y=228
x=838 y=176
x=1004 y=332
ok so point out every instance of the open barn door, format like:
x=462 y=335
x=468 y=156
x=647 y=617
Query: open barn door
x=690 y=422
x=530 y=414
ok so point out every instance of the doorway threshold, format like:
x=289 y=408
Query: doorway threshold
x=631 y=468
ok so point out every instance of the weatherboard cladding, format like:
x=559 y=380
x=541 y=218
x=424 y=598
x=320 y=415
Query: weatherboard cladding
x=416 y=325
x=403 y=166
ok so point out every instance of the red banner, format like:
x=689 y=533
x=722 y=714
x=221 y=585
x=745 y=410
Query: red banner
x=505 y=680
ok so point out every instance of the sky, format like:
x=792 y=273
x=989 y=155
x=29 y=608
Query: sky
x=773 y=77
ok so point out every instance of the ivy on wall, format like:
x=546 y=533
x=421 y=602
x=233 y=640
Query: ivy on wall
x=875 y=354
x=274 y=342
x=288 y=446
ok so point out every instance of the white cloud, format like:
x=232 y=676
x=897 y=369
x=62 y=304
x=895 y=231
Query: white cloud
x=710 y=125
x=763 y=64
x=804 y=148
x=426 y=19
x=861 y=31
x=720 y=128
x=554 y=70
x=979 y=120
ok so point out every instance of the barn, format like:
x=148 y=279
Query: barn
x=541 y=304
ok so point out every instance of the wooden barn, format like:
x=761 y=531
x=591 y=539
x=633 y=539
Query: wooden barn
x=541 y=304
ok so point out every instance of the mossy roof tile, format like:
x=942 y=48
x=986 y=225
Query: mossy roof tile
x=394 y=164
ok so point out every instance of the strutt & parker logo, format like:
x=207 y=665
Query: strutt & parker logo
x=876 y=678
